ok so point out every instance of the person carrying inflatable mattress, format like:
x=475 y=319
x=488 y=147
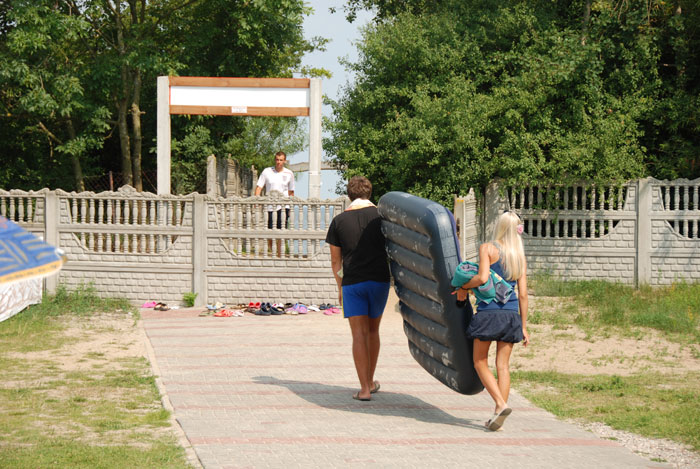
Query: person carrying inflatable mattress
x=495 y=288
x=501 y=316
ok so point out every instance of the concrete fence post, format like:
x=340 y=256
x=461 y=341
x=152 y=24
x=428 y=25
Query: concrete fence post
x=199 y=249
x=466 y=218
x=52 y=217
x=643 y=232
x=213 y=180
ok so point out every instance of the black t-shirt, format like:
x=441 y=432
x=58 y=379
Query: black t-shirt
x=359 y=236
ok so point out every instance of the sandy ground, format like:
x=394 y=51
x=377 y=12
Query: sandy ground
x=569 y=350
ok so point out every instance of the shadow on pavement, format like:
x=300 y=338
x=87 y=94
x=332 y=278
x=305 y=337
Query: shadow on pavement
x=382 y=403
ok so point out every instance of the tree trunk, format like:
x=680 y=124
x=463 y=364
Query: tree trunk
x=136 y=140
x=122 y=103
x=585 y=20
x=127 y=175
x=77 y=168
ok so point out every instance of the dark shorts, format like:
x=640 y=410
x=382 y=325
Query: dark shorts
x=365 y=299
x=279 y=218
x=501 y=325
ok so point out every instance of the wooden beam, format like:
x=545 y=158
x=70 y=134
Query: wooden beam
x=244 y=111
x=231 y=82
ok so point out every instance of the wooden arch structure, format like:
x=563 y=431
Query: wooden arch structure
x=221 y=96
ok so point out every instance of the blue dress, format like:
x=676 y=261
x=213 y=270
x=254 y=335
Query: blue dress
x=496 y=320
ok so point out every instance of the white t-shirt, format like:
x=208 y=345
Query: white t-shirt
x=272 y=180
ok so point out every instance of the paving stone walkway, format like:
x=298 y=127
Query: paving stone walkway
x=276 y=392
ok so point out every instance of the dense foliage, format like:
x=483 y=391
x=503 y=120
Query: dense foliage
x=78 y=83
x=454 y=93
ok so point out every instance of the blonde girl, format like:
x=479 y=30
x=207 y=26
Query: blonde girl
x=502 y=322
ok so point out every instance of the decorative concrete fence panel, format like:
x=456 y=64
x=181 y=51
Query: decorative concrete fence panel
x=248 y=261
x=673 y=246
x=142 y=246
x=643 y=232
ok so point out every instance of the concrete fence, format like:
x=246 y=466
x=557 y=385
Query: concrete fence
x=643 y=232
x=141 y=246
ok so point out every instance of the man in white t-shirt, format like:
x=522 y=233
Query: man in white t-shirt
x=278 y=179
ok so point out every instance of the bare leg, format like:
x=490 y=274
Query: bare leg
x=481 y=355
x=503 y=351
x=360 y=326
x=374 y=344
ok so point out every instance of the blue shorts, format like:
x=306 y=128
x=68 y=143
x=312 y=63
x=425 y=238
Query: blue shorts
x=365 y=299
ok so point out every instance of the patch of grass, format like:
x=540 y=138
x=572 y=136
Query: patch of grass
x=32 y=328
x=82 y=301
x=673 y=310
x=109 y=416
x=61 y=452
x=653 y=405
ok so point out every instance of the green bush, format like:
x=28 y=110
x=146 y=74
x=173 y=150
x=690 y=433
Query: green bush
x=189 y=298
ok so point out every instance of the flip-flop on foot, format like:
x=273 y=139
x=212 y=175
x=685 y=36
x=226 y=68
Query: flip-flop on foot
x=357 y=397
x=499 y=418
x=376 y=387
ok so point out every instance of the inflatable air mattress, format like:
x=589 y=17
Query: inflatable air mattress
x=423 y=250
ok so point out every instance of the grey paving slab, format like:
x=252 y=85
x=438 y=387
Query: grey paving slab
x=276 y=392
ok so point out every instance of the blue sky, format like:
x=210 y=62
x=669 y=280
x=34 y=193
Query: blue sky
x=342 y=35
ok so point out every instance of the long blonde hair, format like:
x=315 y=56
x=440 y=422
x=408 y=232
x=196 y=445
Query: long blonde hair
x=512 y=252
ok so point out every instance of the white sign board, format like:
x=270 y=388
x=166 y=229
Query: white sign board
x=253 y=97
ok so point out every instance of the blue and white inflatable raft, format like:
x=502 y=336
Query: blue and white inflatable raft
x=422 y=246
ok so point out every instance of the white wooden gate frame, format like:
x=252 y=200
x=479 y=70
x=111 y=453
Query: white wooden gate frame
x=221 y=96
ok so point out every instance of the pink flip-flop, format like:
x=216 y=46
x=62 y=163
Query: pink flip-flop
x=149 y=304
x=224 y=313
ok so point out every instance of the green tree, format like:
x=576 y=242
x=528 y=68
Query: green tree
x=42 y=74
x=453 y=96
x=259 y=140
x=88 y=68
